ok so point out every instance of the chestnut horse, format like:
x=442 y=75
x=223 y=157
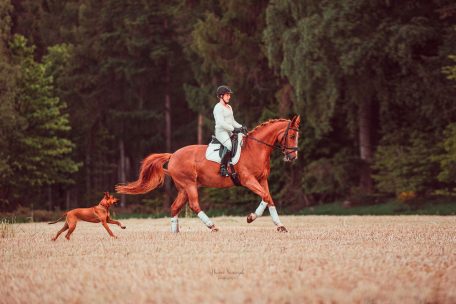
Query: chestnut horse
x=189 y=169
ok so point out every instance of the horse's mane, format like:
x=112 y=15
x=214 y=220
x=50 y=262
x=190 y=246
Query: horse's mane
x=267 y=123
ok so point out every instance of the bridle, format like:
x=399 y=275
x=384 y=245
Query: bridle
x=283 y=144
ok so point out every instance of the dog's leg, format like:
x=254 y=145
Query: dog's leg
x=72 y=226
x=65 y=227
x=110 y=221
x=105 y=224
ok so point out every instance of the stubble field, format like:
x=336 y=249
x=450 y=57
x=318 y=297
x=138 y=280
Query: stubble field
x=323 y=259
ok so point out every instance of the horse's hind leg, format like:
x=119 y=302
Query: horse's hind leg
x=192 y=193
x=176 y=207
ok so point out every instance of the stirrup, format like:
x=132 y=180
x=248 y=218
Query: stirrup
x=224 y=171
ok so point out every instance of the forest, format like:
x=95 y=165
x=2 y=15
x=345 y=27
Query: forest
x=89 y=88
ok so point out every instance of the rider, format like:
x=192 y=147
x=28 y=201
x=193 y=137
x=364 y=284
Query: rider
x=225 y=125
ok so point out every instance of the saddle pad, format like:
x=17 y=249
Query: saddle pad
x=212 y=151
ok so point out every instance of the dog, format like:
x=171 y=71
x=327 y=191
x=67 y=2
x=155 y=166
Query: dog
x=95 y=214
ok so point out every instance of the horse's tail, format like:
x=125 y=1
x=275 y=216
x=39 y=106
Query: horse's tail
x=151 y=175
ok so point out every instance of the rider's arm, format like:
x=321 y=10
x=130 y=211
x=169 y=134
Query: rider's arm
x=236 y=124
x=220 y=119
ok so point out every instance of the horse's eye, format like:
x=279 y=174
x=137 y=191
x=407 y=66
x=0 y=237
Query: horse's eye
x=292 y=136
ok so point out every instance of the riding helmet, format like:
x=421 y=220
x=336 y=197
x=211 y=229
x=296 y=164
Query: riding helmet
x=221 y=90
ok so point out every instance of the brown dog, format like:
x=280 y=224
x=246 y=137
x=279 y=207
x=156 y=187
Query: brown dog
x=96 y=214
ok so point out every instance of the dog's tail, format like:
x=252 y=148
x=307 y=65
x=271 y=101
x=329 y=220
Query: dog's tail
x=57 y=220
x=151 y=175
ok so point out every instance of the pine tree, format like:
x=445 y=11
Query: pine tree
x=8 y=117
x=38 y=148
x=228 y=42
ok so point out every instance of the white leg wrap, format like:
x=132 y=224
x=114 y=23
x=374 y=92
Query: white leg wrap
x=274 y=215
x=259 y=211
x=205 y=219
x=174 y=224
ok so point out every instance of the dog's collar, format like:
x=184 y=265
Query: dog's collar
x=103 y=205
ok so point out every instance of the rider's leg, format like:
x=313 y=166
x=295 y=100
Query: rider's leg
x=226 y=156
x=225 y=139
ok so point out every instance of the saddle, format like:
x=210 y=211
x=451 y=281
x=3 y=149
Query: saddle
x=214 y=152
x=234 y=142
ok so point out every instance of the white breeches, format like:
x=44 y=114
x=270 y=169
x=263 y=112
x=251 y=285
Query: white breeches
x=224 y=138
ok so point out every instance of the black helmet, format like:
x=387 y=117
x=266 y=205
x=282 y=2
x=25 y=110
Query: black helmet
x=221 y=90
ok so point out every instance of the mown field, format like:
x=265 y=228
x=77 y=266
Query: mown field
x=323 y=259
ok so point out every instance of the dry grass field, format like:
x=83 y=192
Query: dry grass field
x=323 y=259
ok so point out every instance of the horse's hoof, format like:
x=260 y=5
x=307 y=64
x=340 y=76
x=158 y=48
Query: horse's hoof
x=251 y=217
x=123 y=227
x=282 y=229
x=214 y=229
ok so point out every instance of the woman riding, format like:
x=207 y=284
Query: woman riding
x=225 y=125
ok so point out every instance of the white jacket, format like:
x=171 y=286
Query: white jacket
x=224 y=118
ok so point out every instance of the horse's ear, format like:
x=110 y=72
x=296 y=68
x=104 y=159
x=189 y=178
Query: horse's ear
x=296 y=121
x=106 y=194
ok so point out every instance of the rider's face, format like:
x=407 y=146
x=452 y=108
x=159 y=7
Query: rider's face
x=226 y=97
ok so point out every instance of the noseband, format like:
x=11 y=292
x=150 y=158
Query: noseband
x=283 y=144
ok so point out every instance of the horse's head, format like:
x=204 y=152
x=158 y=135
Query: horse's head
x=288 y=139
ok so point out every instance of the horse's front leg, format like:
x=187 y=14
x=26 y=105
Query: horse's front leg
x=262 y=189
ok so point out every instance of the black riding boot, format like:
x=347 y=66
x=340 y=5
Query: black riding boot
x=226 y=155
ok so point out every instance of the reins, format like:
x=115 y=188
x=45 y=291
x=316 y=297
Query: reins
x=283 y=143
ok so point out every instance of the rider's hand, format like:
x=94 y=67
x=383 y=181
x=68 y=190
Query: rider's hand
x=237 y=130
x=244 y=130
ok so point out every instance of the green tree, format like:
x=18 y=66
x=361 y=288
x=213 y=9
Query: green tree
x=447 y=159
x=227 y=40
x=124 y=71
x=359 y=62
x=38 y=149
x=404 y=168
x=450 y=70
x=7 y=95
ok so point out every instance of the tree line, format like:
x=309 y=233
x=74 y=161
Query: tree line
x=89 y=88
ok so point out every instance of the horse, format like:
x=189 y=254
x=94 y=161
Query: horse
x=189 y=170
